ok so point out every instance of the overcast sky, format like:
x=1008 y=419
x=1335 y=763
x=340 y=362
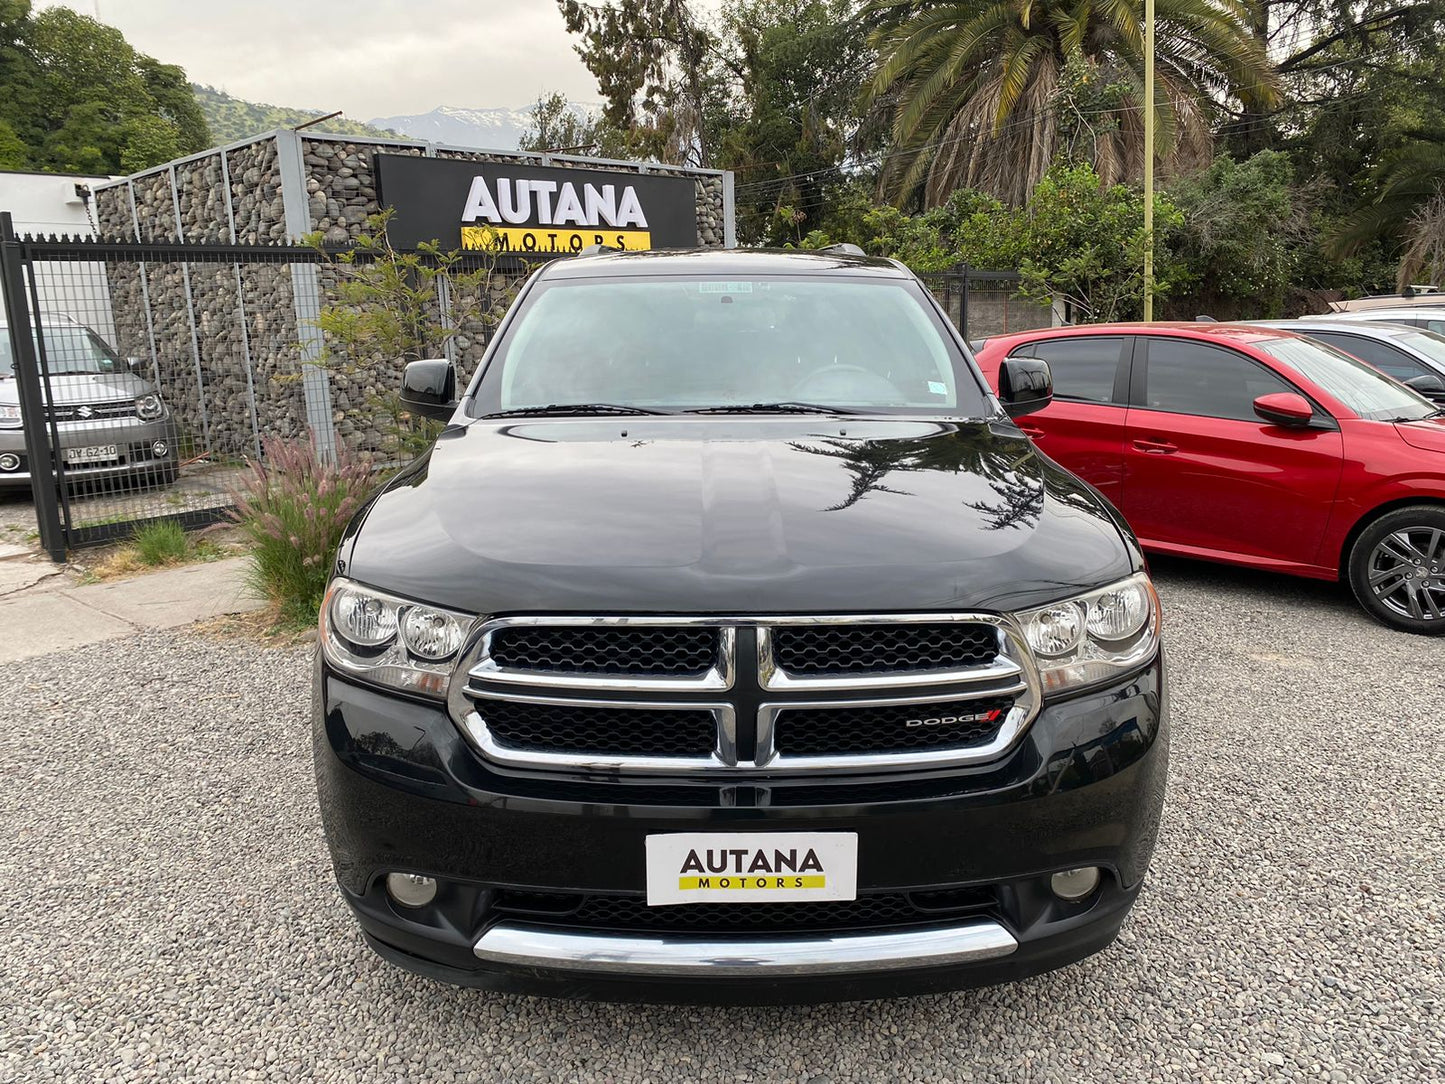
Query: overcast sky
x=371 y=58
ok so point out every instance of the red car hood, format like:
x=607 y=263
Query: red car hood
x=1428 y=436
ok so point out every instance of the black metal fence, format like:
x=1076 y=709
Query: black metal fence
x=982 y=303
x=137 y=379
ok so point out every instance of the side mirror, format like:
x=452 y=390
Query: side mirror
x=1024 y=385
x=1432 y=387
x=135 y=364
x=1285 y=408
x=429 y=388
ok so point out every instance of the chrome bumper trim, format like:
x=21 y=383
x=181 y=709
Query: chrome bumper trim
x=815 y=954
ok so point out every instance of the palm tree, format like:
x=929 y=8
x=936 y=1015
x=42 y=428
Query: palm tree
x=1410 y=208
x=987 y=93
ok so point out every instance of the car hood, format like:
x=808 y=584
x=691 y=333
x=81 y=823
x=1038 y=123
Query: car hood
x=1427 y=435
x=738 y=515
x=83 y=388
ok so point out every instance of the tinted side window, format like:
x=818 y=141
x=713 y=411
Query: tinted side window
x=1083 y=369
x=1381 y=355
x=1192 y=378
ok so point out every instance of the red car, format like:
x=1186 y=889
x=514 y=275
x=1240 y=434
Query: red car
x=1254 y=447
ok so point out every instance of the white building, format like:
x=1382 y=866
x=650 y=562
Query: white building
x=61 y=204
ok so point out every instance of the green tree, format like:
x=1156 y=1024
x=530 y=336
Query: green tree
x=13 y=152
x=1243 y=233
x=978 y=91
x=557 y=126
x=650 y=59
x=80 y=98
x=796 y=68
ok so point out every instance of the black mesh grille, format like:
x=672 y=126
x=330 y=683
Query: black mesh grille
x=824 y=650
x=631 y=913
x=864 y=729
x=551 y=728
x=639 y=650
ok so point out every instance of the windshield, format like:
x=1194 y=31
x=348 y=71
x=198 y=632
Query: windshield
x=69 y=348
x=1425 y=343
x=671 y=343
x=1366 y=391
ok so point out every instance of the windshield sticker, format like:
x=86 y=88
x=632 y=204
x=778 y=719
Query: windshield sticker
x=937 y=387
x=724 y=287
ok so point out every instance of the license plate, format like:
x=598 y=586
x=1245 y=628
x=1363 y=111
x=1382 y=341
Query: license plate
x=751 y=867
x=92 y=453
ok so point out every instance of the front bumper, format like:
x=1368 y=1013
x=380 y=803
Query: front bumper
x=401 y=790
x=134 y=440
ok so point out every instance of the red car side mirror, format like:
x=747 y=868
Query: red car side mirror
x=1285 y=408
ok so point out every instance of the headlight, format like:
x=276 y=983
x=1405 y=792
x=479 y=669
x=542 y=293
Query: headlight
x=149 y=407
x=389 y=640
x=9 y=416
x=1092 y=638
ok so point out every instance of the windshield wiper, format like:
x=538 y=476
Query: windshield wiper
x=554 y=409
x=774 y=408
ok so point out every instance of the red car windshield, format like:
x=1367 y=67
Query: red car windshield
x=1366 y=391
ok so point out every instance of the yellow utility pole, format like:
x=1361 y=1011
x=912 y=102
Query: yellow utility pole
x=1148 y=159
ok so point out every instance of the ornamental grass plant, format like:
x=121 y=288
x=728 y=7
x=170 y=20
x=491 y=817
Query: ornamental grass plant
x=293 y=507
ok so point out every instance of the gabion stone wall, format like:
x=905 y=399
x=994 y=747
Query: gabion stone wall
x=229 y=341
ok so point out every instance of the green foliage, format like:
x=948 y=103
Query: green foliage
x=796 y=68
x=293 y=509
x=1077 y=241
x=974 y=88
x=13 y=152
x=385 y=308
x=78 y=98
x=648 y=57
x=163 y=542
x=231 y=119
x=557 y=127
x=1243 y=234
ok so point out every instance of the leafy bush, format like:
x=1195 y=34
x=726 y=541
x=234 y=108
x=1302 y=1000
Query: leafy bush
x=293 y=508
x=161 y=543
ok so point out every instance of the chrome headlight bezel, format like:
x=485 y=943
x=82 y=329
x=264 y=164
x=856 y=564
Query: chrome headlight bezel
x=390 y=659
x=1081 y=659
x=149 y=407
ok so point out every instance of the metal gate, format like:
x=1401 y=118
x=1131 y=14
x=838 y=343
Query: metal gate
x=137 y=380
x=982 y=304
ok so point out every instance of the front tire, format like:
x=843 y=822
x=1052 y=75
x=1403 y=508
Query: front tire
x=1397 y=569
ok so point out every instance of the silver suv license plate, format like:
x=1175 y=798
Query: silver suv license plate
x=751 y=867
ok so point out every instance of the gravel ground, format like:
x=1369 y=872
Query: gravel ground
x=169 y=913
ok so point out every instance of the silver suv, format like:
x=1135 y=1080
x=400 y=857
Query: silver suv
x=112 y=424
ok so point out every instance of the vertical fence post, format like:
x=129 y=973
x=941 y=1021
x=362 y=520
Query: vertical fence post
x=32 y=396
x=306 y=290
x=145 y=291
x=241 y=307
x=963 y=306
x=191 y=316
x=730 y=212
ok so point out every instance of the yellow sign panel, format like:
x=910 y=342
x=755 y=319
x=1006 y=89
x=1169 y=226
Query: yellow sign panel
x=549 y=240
x=753 y=881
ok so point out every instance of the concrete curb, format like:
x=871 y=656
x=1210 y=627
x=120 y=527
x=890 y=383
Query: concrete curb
x=48 y=614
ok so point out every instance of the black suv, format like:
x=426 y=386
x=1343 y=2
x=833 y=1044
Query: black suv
x=732 y=644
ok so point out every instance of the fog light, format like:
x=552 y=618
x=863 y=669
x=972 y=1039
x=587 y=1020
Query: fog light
x=1073 y=884
x=159 y=449
x=9 y=461
x=411 y=889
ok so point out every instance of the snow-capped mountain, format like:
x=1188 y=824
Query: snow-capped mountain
x=492 y=129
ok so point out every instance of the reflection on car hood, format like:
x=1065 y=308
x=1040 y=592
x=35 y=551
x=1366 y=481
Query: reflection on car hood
x=736 y=515
x=1427 y=435
x=83 y=388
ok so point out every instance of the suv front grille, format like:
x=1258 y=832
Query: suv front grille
x=656 y=650
x=826 y=650
x=887 y=729
x=631 y=913
x=603 y=731
x=667 y=695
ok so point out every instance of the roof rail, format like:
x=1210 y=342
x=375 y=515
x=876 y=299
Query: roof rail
x=598 y=250
x=843 y=248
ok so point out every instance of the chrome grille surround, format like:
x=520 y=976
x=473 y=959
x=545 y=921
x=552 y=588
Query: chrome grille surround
x=766 y=689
